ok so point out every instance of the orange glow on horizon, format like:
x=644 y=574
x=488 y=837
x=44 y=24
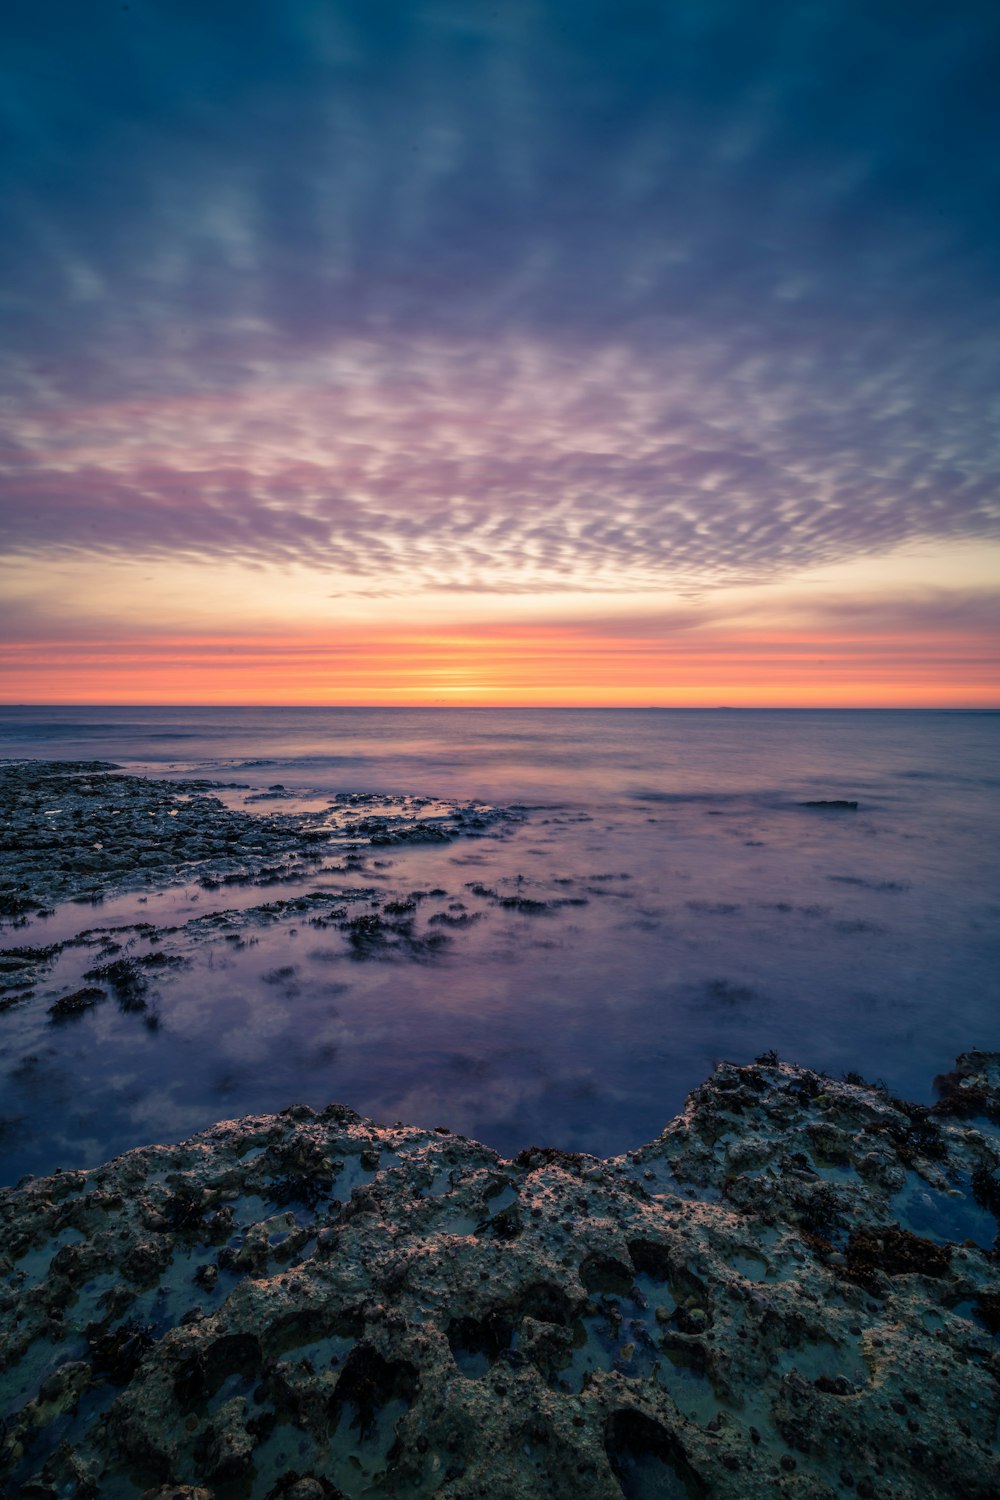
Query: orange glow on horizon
x=529 y=666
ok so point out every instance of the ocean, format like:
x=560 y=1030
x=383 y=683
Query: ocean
x=678 y=903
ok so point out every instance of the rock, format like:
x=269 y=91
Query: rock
x=72 y=830
x=833 y=804
x=77 y=1003
x=304 y=1489
x=691 y=1318
x=179 y=1492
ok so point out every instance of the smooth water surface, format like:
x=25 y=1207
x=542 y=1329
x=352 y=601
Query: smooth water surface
x=678 y=904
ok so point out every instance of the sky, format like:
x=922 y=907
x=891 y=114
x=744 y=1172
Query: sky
x=534 y=352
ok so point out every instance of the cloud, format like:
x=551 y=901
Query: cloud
x=917 y=613
x=551 y=297
x=503 y=470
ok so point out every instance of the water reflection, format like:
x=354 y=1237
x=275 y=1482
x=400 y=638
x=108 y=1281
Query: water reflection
x=568 y=982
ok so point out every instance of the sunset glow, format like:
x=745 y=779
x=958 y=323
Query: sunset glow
x=530 y=667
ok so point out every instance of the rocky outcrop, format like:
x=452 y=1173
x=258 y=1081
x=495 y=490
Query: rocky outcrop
x=793 y=1291
x=83 y=830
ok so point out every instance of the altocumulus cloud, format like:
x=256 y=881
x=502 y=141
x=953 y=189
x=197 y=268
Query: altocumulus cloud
x=548 y=295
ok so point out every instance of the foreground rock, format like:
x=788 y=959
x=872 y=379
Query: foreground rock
x=308 y=1306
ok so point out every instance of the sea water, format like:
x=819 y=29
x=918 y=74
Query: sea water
x=713 y=915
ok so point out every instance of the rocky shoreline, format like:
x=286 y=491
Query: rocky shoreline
x=85 y=830
x=78 y=833
x=794 y=1290
x=308 y=1305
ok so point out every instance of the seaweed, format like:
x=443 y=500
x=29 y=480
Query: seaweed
x=76 y=1004
x=893 y=1252
x=963 y=1097
x=126 y=978
x=986 y=1187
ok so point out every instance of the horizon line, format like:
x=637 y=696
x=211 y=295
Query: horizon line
x=542 y=707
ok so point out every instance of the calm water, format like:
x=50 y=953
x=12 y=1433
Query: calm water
x=717 y=918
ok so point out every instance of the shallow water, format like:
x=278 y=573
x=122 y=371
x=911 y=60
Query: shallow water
x=713 y=916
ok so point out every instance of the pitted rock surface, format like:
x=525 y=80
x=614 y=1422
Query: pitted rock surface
x=792 y=1291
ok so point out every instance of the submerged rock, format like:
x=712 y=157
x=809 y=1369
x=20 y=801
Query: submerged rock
x=78 y=1003
x=792 y=1291
x=834 y=804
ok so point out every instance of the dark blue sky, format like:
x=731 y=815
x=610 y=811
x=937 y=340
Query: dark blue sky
x=777 y=172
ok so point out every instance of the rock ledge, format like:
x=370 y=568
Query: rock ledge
x=793 y=1291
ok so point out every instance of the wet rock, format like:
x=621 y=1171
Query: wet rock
x=307 y=1488
x=179 y=1492
x=400 y=1312
x=970 y=1089
x=24 y=966
x=225 y=1449
x=126 y=979
x=71 y=830
x=648 y=1458
x=118 y=1354
x=78 y=1003
x=832 y=804
x=144 y=1261
x=893 y=1252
